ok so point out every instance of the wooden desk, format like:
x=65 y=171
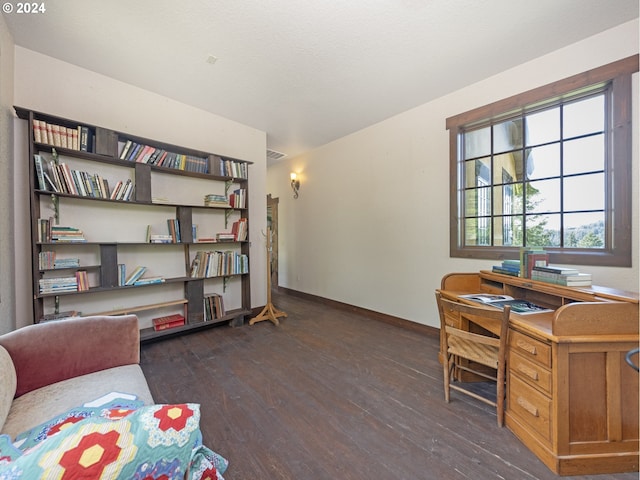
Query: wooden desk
x=571 y=397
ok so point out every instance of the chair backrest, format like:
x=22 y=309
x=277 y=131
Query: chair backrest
x=488 y=318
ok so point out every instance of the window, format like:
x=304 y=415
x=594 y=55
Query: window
x=548 y=168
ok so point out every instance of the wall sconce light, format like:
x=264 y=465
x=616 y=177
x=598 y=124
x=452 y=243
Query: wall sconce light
x=295 y=184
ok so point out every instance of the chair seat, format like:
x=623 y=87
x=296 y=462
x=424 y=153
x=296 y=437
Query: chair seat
x=484 y=354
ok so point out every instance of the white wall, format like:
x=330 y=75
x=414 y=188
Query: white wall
x=7 y=242
x=371 y=225
x=48 y=85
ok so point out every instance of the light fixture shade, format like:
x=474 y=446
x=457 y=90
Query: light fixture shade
x=295 y=184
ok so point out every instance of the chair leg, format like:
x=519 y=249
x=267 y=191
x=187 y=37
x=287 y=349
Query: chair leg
x=446 y=367
x=500 y=394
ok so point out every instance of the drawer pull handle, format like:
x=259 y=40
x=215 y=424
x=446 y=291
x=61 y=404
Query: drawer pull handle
x=527 y=347
x=529 y=372
x=528 y=406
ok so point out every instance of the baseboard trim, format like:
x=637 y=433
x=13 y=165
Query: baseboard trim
x=381 y=317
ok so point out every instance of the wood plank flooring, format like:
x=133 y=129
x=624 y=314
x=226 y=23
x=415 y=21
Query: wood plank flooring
x=334 y=394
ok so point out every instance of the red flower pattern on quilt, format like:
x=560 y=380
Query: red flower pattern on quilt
x=173 y=416
x=117 y=413
x=209 y=474
x=67 y=423
x=94 y=452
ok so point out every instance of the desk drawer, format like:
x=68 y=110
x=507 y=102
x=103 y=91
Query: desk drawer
x=531 y=372
x=530 y=348
x=531 y=406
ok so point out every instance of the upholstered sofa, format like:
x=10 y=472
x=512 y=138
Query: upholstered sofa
x=49 y=368
x=74 y=403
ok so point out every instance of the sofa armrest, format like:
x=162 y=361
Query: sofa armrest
x=50 y=352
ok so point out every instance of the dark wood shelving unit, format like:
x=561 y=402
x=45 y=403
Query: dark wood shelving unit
x=105 y=149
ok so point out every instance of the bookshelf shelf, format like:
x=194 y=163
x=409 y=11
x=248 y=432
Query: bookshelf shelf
x=85 y=164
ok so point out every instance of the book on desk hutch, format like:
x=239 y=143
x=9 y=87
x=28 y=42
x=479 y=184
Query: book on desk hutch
x=519 y=306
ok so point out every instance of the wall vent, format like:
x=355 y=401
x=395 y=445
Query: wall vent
x=273 y=155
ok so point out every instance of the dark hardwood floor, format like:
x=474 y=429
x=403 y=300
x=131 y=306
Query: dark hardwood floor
x=333 y=394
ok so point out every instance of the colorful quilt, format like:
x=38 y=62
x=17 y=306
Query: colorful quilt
x=120 y=439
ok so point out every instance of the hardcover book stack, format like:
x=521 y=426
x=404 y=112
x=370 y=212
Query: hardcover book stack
x=508 y=267
x=215 y=200
x=567 y=276
x=58 y=285
x=225 y=237
x=168 y=321
x=160 y=238
x=65 y=262
x=62 y=234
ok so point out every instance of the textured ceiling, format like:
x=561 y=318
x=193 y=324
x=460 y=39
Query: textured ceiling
x=308 y=71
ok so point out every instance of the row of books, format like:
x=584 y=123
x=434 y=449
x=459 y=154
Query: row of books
x=123 y=190
x=238 y=233
x=47 y=260
x=532 y=257
x=78 y=138
x=238 y=199
x=59 y=178
x=218 y=264
x=213 y=307
x=77 y=283
x=230 y=168
x=141 y=153
x=239 y=230
x=529 y=258
x=558 y=275
x=173 y=225
x=83 y=280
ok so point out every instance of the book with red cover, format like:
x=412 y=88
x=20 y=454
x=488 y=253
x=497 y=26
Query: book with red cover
x=536 y=260
x=168 y=321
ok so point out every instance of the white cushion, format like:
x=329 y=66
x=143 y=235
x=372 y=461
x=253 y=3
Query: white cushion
x=8 y=383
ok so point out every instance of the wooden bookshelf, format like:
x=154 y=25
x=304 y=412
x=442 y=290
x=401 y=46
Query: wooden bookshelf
x=85 y=188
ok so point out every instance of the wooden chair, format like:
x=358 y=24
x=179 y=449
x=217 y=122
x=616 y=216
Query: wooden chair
x=464 y=349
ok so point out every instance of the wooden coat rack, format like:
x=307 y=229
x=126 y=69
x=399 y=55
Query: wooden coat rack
x=269 y=312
